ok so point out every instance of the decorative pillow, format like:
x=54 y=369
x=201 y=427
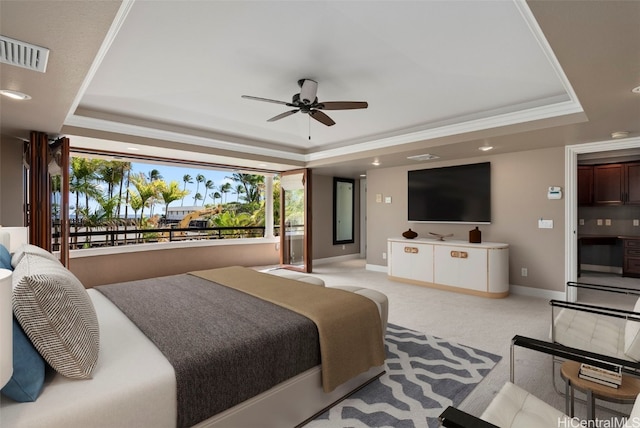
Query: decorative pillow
x=31 y=249
x=5 y=258
x=632 y=336
x=28 y=369
x=56 y=313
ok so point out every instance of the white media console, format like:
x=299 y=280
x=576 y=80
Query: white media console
x=480 y=269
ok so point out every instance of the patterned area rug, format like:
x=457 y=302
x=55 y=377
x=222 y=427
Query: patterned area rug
x=424 y=375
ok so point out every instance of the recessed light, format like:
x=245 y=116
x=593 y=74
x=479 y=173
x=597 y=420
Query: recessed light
x=636 y=90
x=15 y=95
x=620 y=134
x=133 y=149
x=375 y=162
x=485 y=148
x=363 y=175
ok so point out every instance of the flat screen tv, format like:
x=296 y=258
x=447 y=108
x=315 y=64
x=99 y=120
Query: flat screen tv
x=453 y=194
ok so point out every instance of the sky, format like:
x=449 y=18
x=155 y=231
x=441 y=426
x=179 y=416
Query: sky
x=176 y=173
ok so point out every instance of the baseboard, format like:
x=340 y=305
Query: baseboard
x=600 y=268
x=376 y=268
x=336 y=259
x=537 y=292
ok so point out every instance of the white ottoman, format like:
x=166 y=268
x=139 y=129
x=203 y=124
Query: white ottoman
x=378 y=298
x=298 y=277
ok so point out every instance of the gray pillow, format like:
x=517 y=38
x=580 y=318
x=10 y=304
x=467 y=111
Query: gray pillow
x=57 y=315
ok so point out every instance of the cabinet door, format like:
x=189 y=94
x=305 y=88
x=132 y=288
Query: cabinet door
x=411 y=261
x=585 y=185
x=608 y=184
x=633 y=184
x=461 y=267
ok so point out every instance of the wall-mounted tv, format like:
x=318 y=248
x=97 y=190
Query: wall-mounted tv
x=453 y=194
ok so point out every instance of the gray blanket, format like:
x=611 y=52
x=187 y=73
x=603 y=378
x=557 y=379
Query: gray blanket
x=224 y=345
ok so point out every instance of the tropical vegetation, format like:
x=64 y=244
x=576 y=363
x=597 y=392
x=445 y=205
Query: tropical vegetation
x=109 y=195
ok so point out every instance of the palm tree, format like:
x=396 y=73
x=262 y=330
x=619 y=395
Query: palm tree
x=145 y=189
x=214 y=196
x=209 y=186
x=124 y=168
x=238 y=191
x=252 y=185
x=154 y=175
x=82 y=182
x=225 y=188
x=196 y=198
x=170 y=193
x=199 y=179
x=186 y=179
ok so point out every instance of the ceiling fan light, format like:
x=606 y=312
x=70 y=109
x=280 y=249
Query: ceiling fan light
x=308 y=91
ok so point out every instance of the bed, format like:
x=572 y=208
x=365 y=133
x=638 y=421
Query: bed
x=134 y=383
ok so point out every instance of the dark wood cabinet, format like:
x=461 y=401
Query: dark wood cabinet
x=633 y=184
x=609 y=184
x=631 y=266
x=585 y=185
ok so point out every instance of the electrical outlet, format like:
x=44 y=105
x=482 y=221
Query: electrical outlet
x=607 y=222
x=636 y=222
x=344 y=247
x=599 y=222
x=581 y=221
x=524 y=272
x=384 y=256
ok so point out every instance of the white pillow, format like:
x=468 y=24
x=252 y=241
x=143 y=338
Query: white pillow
x=31 y=249
x=632 y=336
x=57 y=314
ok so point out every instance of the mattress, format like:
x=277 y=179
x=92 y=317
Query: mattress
x=131 y=376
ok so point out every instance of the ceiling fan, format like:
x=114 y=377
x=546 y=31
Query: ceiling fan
x=307 y=102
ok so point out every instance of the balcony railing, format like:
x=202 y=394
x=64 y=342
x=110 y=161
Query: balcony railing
x=131 y=236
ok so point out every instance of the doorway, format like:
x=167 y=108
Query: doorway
x=571 y=202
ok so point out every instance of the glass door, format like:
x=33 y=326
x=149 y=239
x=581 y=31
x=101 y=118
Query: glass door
x=295 y=220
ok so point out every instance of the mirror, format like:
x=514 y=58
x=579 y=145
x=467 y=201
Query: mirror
x=343 y=210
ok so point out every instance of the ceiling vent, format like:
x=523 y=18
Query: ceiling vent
x=425 y=157
x=22 y=54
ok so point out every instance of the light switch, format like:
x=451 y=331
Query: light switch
x=607 y=222
x=378 y=197
x=599 y=222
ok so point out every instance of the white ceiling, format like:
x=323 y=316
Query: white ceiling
x=166 y=77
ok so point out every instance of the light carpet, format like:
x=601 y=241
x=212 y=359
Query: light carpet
x=424 y=375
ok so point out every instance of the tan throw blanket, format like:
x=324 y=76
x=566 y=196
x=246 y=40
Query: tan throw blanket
x=348 y=324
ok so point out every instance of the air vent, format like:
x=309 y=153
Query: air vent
x=426 y=156
x=22 y=54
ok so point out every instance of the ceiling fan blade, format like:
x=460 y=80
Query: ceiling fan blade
x=249 y=97
x=283 y=115
x=321 y=117
x=342 y=105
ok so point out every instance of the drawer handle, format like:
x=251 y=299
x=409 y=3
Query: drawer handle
x=411 y=250
x=459 y=254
